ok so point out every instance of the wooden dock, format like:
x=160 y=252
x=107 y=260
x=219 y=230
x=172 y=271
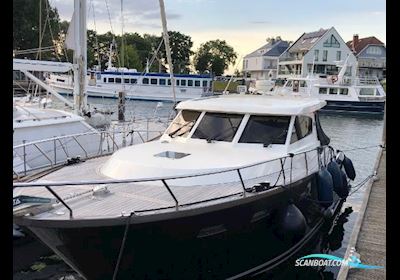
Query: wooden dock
x=369 y=234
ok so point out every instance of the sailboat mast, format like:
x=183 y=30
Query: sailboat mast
x=167 y=47
x=80 y=56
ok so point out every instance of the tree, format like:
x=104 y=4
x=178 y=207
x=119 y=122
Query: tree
x=26 y=15
x=215 y=56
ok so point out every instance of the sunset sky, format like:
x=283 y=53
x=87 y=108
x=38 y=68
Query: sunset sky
x=243 y=24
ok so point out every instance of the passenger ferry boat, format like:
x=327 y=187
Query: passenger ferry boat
x=227 y=168
x=137 y=85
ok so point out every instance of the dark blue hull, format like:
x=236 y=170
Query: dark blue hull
x=355 y=107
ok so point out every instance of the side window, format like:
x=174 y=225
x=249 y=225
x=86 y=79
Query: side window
x=126 y=81
x=162 y=82
x=204 y=83
x=145 y=81
x=190 y=83
x=133 y=81
x=197 y=83
x=183 y=83
x=323 y=90
x=104 y=80
x=153 y=81
x=302 y=128
x=118 y=80
x=111 y=80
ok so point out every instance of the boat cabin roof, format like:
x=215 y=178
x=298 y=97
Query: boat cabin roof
x=254 y=104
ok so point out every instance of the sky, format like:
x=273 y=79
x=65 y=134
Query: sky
x=243 y=24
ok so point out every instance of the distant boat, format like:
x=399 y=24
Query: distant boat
x=137 y=85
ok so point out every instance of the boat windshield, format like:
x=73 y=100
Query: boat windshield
x=183 y=123
x=266 y=130
x=218 y=127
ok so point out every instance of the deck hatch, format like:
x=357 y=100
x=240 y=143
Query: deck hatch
x=171 y=154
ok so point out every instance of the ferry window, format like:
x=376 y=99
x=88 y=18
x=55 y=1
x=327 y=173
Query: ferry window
x=104 y=80
x=145 y=81
x=126 y=81
x=169 y=82
x=344 y=91
x=266 y=130
x=204 y=83
x=196 y=83
x=303 y=84
x=323 y=90
x=111 y=80
x=183 y=123
x=289 y=84
x=190 y=83
x=118 y=80
x=162 y=82
x=183 y=83
x=177 y=82
x=302 y=128
x=153 y=81
x=218 y=127
x=333 y=90
x=133 y=81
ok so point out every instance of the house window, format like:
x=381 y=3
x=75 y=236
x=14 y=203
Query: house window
x=331 y=42
x=325 y=55
x=374 y=50
x=197 y=83
x=145 y=81
x=190 y=83
x=316 y=55
x=338 y=55
x=153 y=81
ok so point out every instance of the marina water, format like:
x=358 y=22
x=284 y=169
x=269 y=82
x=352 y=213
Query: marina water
x=347 y=133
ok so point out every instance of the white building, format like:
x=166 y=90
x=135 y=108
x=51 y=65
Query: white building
x=263 y=61
x=322 y=48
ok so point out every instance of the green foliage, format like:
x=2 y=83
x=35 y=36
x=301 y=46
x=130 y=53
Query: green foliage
x=26 y=26
x=215 y=56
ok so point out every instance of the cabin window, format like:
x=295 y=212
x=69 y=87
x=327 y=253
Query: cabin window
x=153 y=81
x=126 y=81
x=367 y=91
x=266 y=130
x=183 y=83
x=118 y=80
x=344 y=91
x=218 y=127
x=183 y=123
x=302 y=128
x=162 y=82
x=177 y=82
x=104 y=80
x=196 y=83
x=289 y=84
x=145 y=81
x=169 y=82
x=204 y=83
x=190 y=83
x=133 y=81
x=323 y=90
x=333 y=91
x=111 y=80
